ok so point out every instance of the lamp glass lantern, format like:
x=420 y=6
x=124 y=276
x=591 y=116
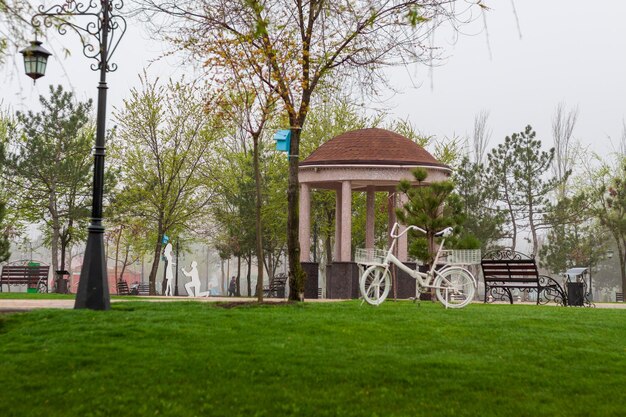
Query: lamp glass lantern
x=35 y=60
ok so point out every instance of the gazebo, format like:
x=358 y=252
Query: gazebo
x=365 y=160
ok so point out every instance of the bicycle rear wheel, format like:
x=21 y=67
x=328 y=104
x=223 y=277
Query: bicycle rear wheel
x=455 y=287
x=375 y=284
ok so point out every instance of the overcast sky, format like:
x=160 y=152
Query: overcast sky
x=571 y=51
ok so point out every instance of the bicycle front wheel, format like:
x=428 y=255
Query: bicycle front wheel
x=375 y=284
x=455 y=287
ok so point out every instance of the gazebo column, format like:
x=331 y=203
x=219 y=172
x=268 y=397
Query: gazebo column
x=337 y=251
x=305 y=223
x=370 y=216
x=391 y=214
x=346 y=221
x=403 y=248
x=396 y=200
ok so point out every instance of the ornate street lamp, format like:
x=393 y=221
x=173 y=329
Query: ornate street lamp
x=35 y=60
x=93 y=288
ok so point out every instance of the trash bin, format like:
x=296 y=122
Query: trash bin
x=280 y=292
x=575 y=294
x=33 y=273
x=62 y=286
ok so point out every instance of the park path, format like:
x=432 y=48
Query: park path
x=19 y=305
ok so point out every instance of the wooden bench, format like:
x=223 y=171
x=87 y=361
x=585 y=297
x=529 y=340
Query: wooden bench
x=505 y=270
x=276 y=288
x=20 y=273
x=140 y=288
x=619 y=297
x=122 y=288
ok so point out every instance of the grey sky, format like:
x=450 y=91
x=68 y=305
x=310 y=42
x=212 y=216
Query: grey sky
x=570 y=50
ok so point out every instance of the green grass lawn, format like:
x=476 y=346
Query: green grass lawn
x=35 y=296
x=334 y=359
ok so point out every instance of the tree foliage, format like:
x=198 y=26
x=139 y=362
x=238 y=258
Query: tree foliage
x=162 y=146
x=49 y=169
x=563 y=124
x=14 y=24
x=610 y=193
x=433 y=207
x=233 y=209
x=250 y=105
x=296 y=47
x=4 y=233
x=531 y=164
x=575 y=237
x=482 y=217
x=517 y=170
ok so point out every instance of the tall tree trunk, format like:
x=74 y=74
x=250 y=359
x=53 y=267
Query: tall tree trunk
x=117 y=251
x=225 y=277
x=297 y=276
x=54 y=249
x=156 y=258
x=227 y=283
x=125 y=262
x=513 y=224
x=65 y=238
x=238 y=280
x=54 y=244
x=258 y=222
x=621 y=248
x=533 y=230
x=249 y=274
x=63 y=249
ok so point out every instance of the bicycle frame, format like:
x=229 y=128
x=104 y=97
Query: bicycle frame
x=448 y=281
x=424 y=279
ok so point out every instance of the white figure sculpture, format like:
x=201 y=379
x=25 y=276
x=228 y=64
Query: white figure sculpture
x=169 y=270
x=193 y=287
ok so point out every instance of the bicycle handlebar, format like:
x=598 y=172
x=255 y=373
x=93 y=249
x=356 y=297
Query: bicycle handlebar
x=445 y=232
x=396 y=225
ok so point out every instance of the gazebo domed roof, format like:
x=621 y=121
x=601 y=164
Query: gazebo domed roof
x=371 y=146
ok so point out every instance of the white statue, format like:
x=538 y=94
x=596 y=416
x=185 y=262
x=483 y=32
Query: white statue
x=193 y=287
x=169 y=270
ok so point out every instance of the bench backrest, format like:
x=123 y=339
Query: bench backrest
x=122 y=288
x=510 y=270
x=143 y=288
x=278 y=281
x=23 y=274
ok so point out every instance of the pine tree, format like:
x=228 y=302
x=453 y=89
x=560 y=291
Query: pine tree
x=432 y=207
x=483 y=219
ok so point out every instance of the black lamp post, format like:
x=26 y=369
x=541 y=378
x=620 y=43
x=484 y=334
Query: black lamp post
x=93 y=288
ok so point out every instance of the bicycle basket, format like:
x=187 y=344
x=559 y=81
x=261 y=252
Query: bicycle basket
x=369 y=256
x=464 y=256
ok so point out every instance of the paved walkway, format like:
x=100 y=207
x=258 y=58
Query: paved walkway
x=19 y=305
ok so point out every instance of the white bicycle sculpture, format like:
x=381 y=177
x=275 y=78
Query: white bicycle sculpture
x=454 y=286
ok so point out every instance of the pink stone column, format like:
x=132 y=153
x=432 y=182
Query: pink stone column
x=305 y=223
x=337 y=251
x=346 y=221
x=370 y=216
x=403 y=249
x=391 y=214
